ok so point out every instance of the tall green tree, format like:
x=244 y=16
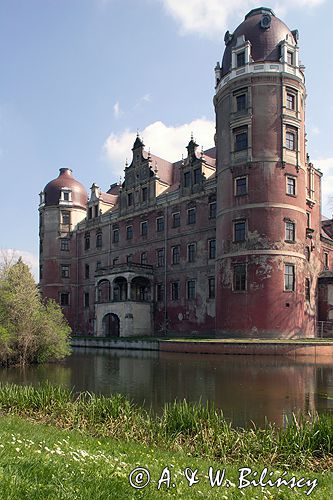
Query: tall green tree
x=30 y=331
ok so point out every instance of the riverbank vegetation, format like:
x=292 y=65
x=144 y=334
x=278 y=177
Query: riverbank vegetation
x=30 y=331
x=199 y=430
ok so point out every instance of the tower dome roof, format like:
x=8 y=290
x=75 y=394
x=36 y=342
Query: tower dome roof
x=65 y=179
x=264 y=31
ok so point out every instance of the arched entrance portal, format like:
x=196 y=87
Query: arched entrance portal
x=111 y=325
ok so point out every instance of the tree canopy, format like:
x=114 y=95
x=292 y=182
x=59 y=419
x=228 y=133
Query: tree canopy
x=30 y=330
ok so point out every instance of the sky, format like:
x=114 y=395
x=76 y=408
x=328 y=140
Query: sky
x=79 y=78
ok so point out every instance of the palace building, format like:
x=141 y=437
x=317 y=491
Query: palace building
x=227 y=241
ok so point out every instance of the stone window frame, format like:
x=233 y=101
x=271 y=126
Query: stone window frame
x=291 y=138
x=187 y=178
x=62 y=301
x=86 y=300
x=64 y=244
x=289 y=277
x=65 y=270
x=160 y=224
x=86 y=271
x=175 y=290
x=129 y=232
x=176 y=218
x=175 y=254
x=115 y=235
x=144 y=258
x=211 y=287
x=191 y=289
x=236 y=190
x=237 y=230
x=144 y=228
x=160 y=257
x=239 y=277
x=291 y=187
x=99 y=238
x=289 y=231
x=191 y=252
x=191 y=215
x=212 y=248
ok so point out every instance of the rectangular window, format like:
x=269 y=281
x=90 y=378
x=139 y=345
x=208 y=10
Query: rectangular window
x=291 y=101
x=191 y=216
x=290 y=58
x=66 y=195
x=176 y=219
x=307 y=289
x=64 y=299
x=197 y=175
x=130 y=199
x=175 y=288
x=326 y=260
x=144 y=228
x=160 y=292
x=98 y=264
x=212 y=210
x=290 y=231
x=291 y=186
x=175 y=254
x=211 y=287
x=239 y=281
x=240 y=140
x=191 y=289
x=289 y=277
x=160 y=257
x=86 y=271
x=240 y=186
x=90 y=213
x=160 y=224
x=129 y=232
x=115 y=235
x=65 y=218
x=239 y=230
x=187 y=179
x=129 y=258
x=144 y=258
x=191 y=251
x=241 y=59
x=241 y=102
x=87 y=241
x=64 y=244
x=86 y=299
x=96 y=211
x=99 y=240
x=290 y=140
x=308 y=219
x=65 y=270
x=115 y=261
x=211 y=249
x=144 y=194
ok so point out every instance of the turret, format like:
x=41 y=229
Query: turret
x=263 y=212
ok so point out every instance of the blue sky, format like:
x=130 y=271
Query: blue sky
x=80 y=77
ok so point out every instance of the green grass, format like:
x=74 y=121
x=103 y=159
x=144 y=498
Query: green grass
x=198 y=429
x=39 y=462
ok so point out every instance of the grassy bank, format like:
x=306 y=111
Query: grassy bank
x=199 y=430
x=39 y=462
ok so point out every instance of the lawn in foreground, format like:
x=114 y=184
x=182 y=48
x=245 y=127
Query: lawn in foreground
x=43 y=462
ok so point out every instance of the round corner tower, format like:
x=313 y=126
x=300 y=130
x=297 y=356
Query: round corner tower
x=262 y=215
x=63 y=204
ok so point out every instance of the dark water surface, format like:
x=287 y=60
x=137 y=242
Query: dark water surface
x=246 y=388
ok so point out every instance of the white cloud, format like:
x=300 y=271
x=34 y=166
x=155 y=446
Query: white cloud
x=211 y=18
x=117 y=111
x=164 y=141
x=11 y=255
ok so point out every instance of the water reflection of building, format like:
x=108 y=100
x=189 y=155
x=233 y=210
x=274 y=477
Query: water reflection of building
x=227 y=240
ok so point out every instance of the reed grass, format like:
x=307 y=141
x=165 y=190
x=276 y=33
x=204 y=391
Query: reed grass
x=199 y=429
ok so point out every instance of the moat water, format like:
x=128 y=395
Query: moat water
x=246 y=388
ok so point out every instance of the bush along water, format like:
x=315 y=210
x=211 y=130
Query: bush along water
x=198 y=429
x=30 y=331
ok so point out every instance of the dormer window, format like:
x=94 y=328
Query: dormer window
x=187 y=179
x=66 y=195
x=241 y=59
x=290 y=58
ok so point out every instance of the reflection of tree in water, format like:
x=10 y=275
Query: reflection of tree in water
x=245 y=387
